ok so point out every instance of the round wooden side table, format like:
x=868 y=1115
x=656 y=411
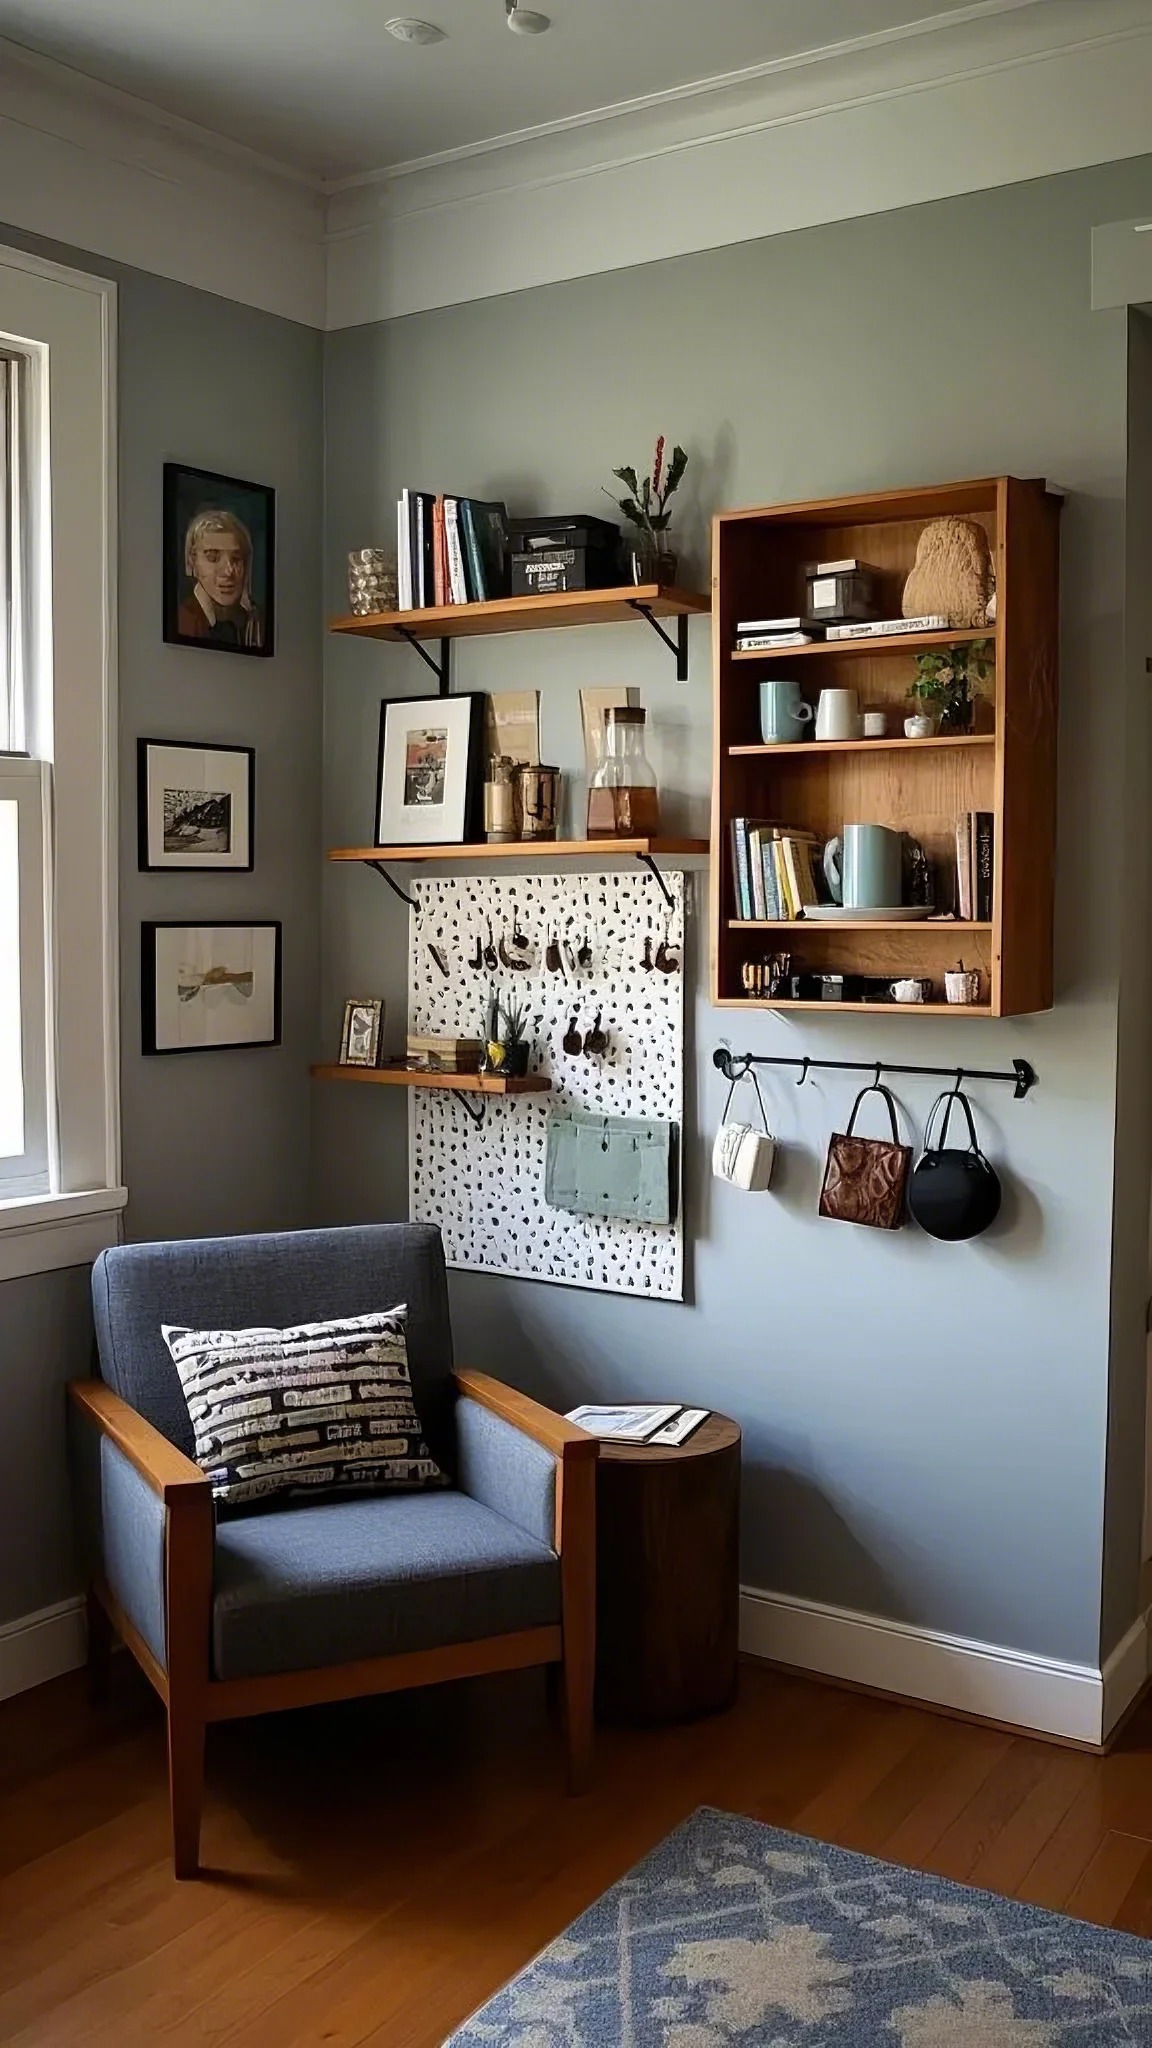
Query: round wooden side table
x=667 y=1576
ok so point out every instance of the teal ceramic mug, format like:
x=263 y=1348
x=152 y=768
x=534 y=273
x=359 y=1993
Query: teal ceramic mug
x=864 y=868
x=783 y=713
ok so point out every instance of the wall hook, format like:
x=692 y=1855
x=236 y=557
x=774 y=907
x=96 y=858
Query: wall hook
x=806 y=1063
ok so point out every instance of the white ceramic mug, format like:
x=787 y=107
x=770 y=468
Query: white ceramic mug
x=962 y=985
x=875 y=725
x=912 y=990
x=838 y=715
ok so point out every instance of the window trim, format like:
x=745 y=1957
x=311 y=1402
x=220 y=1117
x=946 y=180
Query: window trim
x=74 y=314
x=28 y=784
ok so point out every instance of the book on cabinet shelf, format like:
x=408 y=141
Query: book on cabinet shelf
x=773 y=869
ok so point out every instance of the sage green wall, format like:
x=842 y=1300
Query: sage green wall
x=926 y=1427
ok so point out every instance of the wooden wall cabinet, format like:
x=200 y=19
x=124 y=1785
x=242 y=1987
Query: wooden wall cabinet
x=1006 y=766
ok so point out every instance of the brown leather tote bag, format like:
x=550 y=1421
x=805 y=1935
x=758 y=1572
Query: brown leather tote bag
x=866 y=1179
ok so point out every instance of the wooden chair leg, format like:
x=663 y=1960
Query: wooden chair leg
x=579 y=1685
x=576 y=1541
x=185 y=1788
x=101 y=1637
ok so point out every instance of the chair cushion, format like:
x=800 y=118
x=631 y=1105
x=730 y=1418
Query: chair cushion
x=322 y=1408
x=305 y=1276
x=373 y=1578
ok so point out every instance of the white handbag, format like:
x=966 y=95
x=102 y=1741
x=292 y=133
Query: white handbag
x=742 y=1155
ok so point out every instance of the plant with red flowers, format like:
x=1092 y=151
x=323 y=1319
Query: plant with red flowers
x=647 y=505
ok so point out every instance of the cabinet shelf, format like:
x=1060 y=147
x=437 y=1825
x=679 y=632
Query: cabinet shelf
x=881 y=746
x=919 y=788
x=887 y=643
x=878 y=1009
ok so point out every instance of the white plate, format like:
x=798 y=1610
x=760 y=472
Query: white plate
x=895 y=913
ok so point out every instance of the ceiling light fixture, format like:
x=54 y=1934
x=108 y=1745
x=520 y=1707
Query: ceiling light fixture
x=415 y=31
x=524 y=21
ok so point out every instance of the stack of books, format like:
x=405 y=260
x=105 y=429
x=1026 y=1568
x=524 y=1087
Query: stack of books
x=884 y=629
x=974 y=847
x=774 y=869
x=450 y=550
x=753 y=635
x=430 y=1055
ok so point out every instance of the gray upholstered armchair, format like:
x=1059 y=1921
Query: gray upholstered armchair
x=337 y=1599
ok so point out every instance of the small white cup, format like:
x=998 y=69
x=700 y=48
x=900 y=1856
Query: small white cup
x=962 y=985
x=910 y=991
x=838 y=715
x=875 y=725
x=921 y=726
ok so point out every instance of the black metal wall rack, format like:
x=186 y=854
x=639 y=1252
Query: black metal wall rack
x=734 y=1065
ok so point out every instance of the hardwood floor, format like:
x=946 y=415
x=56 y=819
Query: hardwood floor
x=378 y=1869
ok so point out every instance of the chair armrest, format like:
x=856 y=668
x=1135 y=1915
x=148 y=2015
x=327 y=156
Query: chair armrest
x=161 y=1466
x=543 y=1425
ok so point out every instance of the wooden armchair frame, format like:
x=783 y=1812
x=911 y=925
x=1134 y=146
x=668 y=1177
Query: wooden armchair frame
x=193 y=1698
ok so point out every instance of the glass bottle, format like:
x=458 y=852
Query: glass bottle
x=623 y=800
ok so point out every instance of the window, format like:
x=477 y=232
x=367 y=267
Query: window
x=59 y=1111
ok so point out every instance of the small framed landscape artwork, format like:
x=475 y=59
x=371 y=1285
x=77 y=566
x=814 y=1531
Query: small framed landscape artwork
x=429 y=788
x=219 y=561
x=205 y=987
x=195 y=805
x=363 y=1025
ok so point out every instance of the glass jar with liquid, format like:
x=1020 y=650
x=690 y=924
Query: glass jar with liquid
x=623 y=799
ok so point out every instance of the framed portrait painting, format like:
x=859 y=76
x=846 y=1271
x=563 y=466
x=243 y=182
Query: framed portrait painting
x=219 y=561
x=429 y=788
x=195 y=806
x=206 y=987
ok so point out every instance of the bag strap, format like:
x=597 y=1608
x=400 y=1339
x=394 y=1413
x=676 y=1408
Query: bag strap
x=748 y=1075
x=952 y=1096
x=874 y=1088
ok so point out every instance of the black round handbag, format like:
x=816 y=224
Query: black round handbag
x=953 y=1194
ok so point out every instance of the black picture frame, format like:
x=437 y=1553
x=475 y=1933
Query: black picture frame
x=149 y=932
x=202 y=865
x=190 y=494
x=426 y=711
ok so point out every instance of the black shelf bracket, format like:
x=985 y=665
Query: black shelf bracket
x=393 y=884
x=734 y=1065
x=646 y=861
x=442 y=669
x=476 y=1110
x=677 y=646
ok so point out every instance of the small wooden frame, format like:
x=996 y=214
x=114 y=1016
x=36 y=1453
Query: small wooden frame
x=193 y=1698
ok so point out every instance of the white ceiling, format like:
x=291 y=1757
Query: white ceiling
x=322 y=87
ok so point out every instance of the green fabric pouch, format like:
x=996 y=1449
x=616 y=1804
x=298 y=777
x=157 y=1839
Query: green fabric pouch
x=611 y=1166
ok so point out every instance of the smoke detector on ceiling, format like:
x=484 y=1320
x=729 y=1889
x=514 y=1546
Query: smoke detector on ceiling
x=524 y=21
x=415 y=31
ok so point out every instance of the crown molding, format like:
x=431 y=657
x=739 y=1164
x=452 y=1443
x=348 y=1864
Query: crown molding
x=995 y=97
x=98 y=170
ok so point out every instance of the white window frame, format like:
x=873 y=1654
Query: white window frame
x=28 y=785
x=65 y=321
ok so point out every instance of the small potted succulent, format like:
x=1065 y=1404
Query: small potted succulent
x=946 y=687
x=646 y=508
x=503 y=1028
x=516 y=1047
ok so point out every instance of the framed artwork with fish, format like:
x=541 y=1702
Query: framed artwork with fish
x=210 y=987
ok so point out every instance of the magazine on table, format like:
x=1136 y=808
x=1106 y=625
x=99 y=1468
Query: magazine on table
x=640 y=1422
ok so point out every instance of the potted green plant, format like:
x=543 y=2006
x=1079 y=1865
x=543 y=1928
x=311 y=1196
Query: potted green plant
x=646 y=508
x=516 y=1047
x=947 y=684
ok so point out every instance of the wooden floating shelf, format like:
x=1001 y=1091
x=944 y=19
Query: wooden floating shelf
x=862 y=1009
x=881 y=746
x=461 y=1084
x=860 y=924
x=616 y=607
x=532 y=849
x=890 y=643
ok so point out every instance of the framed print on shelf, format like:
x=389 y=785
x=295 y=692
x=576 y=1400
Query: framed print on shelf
x=207 y=987
x=219 y=561
x=195 y=806
x=363 y=1025
x=429 y=785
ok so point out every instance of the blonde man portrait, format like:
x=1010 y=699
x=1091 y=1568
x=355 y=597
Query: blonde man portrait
x=218 y=564
x=219 y=561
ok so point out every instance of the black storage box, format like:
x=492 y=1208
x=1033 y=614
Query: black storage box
x=572 y=553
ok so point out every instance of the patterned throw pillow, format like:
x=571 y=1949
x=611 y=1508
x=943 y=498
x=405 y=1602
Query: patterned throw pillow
x=323 y=1408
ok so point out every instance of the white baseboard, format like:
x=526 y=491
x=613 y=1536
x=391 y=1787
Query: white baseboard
x=1075 y=1701
x=41 y=1646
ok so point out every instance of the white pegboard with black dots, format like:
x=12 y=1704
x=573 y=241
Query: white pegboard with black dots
x=600 y=954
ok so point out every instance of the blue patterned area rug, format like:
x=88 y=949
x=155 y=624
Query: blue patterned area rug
x=735 y=1935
